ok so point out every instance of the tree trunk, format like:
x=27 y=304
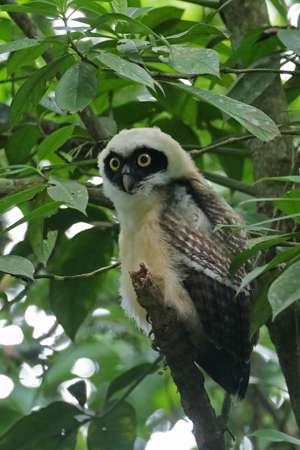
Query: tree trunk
x=271 y=159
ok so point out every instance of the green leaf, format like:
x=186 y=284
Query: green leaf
x=254 y=120
x=120 y=6
x=275 y=436
x=191 y=60
x=17 y=45
x=90 y=5
x=16 y=265
x=25 y=56
x=279 y=259
x=249 y=86
x=291 y=39
x=19 y=146
x=285 y=290
x=290 y=205
x=50 y=428
x=28 y=9
x=117 y=430
x=126 y=378
x=76 y=88
x=41 y=247
x=31 y=92
x=43 y=211
x=200 y=29
x=54 y=141
x=126 y=68
x=212 y=14
x=71 y=301
x=135 y=26
x=137 y=12
x=128 y=48
x=242 y=257
x=79 y=391
x=261 y=310
x=70 y=192
x=13 y=199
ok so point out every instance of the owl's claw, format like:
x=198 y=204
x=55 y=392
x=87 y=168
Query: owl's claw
x=148 y=319
x=150 y=333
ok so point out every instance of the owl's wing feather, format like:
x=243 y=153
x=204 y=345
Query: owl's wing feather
x=205 y=258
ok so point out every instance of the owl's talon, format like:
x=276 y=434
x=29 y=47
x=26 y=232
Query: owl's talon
x=150 y=333
x=153 y=346
x=148 y=319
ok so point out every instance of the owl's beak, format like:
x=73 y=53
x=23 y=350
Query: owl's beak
x=128 y=179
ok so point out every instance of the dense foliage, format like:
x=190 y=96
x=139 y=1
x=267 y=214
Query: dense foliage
x=72 y=74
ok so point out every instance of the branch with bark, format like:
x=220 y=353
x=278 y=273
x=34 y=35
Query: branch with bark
x=172 y=340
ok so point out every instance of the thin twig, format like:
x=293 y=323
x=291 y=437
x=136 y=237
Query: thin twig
x=11 y=80
x=233 y=140
x=82 y=276
x=226 y=70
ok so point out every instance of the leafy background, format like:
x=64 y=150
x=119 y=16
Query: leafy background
x=67 y=350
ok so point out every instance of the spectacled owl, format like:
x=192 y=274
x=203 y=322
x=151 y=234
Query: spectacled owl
x=168 y=214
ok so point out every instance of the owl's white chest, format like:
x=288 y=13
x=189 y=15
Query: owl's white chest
x=141 y=240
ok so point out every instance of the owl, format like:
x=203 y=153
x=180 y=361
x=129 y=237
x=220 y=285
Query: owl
x=168 y=215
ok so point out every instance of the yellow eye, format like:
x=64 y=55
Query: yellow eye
x=114 y=164
x=144 y=160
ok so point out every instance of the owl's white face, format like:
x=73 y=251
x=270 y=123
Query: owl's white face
x=135 y=161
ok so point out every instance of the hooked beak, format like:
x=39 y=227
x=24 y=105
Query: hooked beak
x=128 y=179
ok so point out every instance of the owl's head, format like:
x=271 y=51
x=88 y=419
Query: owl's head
x=137 y=160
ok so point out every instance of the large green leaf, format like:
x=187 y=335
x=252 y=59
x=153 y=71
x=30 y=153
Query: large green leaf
x=291 y=39
x=279 y=259
x=76 y=88
x=31 y=92
x=70 y=192
x=117 y=430
x=257 y=122
x=54 y=141
x=126 y=68
x=249 y=86
x=17 y=45
x=40 y=8
x=43 y=211
x=50 y=428
x=291 y=205
x=134 y=25
x=41 y=247
x=16 y=265
x=285 y=290
x=199 y=29
x=13 y=199
x=191 y=60
x=25 y=56
x=126 y=378
x=20 y=144
x=90 y=5
x=242 y=257
x=275 y=436
x=71 y=301
x=120 y=6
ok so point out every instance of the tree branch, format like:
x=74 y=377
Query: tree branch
x=172 y=339
x=230 y=183
x=177 y=76
x=214 y=4
x=82 y=276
